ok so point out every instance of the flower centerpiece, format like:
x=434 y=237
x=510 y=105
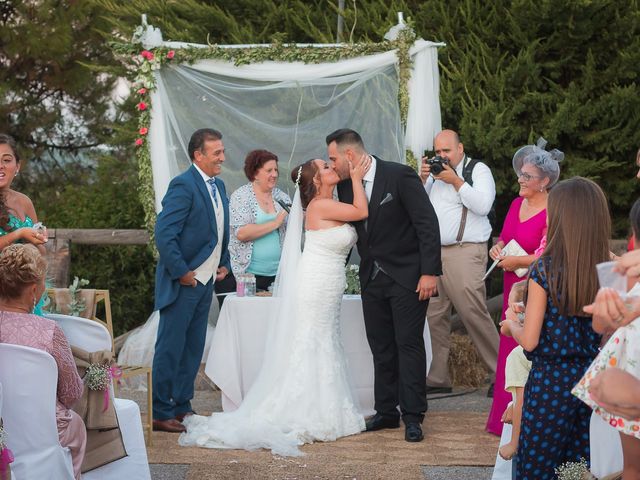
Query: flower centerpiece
x=353 y=280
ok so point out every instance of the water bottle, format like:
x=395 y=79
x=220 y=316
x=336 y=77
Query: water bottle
x=241 y=285
x=250 y=285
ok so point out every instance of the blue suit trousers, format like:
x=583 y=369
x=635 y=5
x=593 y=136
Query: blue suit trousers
x=179 y=347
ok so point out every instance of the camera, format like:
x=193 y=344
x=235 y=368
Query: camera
x=437 y=164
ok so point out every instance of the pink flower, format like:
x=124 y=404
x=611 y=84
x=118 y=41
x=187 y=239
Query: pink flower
x=139 y=142
x=143 y=131
x=142 y=106
x=146 y=54
x=171 y=54
x=142 y=91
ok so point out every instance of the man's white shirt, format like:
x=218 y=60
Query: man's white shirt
x=448 y=204
x=208 y=269
x=369 y=177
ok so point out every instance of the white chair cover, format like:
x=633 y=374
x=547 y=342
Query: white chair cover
x=92 y=336
x=606 y=447
x=30 y=379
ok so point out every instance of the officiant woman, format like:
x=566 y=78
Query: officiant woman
x=258 y=220
x=537 y=171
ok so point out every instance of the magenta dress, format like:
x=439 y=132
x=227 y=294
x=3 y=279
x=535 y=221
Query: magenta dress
x=528 y=234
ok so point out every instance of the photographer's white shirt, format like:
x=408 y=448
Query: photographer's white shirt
x=448 y=204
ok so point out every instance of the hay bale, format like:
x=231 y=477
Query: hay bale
x=466 y=368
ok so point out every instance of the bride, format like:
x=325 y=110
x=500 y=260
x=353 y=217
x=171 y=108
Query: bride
x=302 y=392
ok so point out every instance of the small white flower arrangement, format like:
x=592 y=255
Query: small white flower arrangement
x=353 y=280
x=3 y=438
x=574 y=471
x=97 y=377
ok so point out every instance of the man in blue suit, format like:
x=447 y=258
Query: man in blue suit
x=192 y=235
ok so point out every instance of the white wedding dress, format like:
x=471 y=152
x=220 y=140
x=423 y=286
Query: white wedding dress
x=302 y=393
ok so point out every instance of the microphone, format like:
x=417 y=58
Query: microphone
x=285 y=205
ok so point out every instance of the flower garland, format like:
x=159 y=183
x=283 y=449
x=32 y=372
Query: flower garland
x=143 y=64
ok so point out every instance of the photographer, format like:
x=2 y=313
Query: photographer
x=462 y=208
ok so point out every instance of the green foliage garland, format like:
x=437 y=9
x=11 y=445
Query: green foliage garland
x=143 y=64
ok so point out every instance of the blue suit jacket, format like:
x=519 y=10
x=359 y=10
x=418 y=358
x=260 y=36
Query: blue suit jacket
x=186 y=232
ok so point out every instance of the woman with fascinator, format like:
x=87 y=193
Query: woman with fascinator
x=302 y=392
x=537 y=170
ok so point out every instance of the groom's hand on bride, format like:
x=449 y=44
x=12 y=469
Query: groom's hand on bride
x=427 y=287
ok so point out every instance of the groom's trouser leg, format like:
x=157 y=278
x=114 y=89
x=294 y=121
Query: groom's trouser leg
x=409 y=316
x=175 y=320
x=195 y=339
x=394 y=320
x=378 y=321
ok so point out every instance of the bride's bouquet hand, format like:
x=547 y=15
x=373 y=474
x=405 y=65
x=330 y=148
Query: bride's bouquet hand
x=358 y=171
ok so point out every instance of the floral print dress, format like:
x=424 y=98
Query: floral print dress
x=621 y=351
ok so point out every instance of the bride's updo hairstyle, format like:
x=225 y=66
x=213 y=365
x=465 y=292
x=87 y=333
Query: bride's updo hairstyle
x=20 y=265
x=303 y=176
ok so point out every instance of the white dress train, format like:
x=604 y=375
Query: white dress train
x=304 y=395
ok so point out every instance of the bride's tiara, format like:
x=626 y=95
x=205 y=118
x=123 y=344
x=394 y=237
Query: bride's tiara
x=298 y=178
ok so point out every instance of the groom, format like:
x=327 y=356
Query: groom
x=399 y=246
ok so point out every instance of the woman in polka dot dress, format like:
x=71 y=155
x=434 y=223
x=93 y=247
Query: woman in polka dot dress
x=557 y=336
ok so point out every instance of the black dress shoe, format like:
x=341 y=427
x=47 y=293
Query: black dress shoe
x=490 y=391
x=171 y=425
x=378 y=422
x=413 y=432
x=433 y=390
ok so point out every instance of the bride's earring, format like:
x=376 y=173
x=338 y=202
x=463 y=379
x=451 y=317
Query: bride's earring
x=34 y=305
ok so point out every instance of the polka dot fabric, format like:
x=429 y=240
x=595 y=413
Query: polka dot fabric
x=555 y=424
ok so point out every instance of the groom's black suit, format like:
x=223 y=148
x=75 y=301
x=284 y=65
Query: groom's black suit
x=401 y=237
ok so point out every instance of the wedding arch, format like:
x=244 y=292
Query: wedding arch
x=281 y=97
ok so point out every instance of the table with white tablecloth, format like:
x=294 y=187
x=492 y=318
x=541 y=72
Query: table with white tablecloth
x=238 y=346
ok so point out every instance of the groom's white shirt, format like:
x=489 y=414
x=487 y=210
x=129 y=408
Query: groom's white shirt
x=369 y=177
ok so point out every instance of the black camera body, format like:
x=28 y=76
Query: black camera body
x=437 y=164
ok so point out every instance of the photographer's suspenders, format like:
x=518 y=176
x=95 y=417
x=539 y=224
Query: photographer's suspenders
x=465 y=210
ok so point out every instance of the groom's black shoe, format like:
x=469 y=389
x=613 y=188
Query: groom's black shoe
x=434 y=390
x=378 y=422
x=413 y=432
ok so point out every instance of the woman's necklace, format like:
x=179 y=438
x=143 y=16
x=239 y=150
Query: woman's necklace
x=265 y=202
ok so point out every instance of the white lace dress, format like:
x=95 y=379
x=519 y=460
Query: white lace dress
x=310 y=399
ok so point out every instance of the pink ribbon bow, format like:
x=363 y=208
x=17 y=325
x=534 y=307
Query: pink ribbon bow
x=115 y=373
x=6 y=457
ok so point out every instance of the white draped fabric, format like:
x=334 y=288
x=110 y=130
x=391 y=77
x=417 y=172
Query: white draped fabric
x=288 y=108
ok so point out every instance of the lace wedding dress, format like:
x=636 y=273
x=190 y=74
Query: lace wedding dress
x=302 y=393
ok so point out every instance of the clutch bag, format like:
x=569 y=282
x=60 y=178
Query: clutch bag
x=512 y=248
